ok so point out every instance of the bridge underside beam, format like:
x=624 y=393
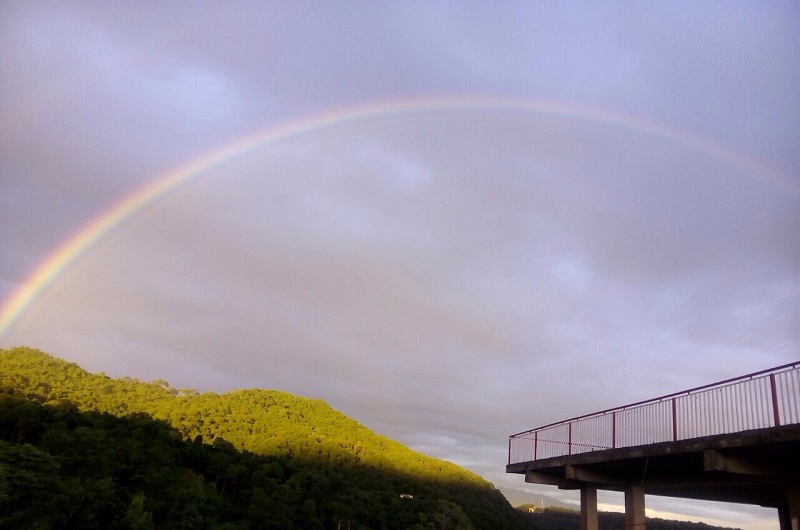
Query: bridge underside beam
x=582 y=474
x=548 y=479
x=714 y=460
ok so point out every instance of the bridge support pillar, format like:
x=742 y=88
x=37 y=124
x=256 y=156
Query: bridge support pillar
x=634 y=508
x=789 y=514
x=588 y=508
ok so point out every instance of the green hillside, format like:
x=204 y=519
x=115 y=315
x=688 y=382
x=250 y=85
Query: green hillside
x=122 y=453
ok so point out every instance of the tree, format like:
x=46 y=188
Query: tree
x=448 y=516
x=137 y=517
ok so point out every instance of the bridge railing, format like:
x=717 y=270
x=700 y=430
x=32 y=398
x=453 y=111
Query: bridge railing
x=759 y=400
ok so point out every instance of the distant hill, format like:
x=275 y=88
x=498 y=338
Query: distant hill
x=519 y=498
x=100 y=452
x=569 y=519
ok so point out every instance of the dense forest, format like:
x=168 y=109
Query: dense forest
x=82 y=450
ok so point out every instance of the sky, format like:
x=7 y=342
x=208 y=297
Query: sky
x=450 y=221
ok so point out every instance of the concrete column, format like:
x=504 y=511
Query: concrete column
x=634 y=508
x=784 y=519
x=790 y=516
x=588 y=508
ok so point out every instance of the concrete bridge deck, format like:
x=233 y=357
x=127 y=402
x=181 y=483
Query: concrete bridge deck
x=748 y=450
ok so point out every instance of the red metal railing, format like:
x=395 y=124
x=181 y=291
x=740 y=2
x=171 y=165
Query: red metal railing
x=755 y=401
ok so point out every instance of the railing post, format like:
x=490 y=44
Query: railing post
x=509 y=450
x=613 y=430
x=674 y=421
x=570 y=438
x=535 y=445
x=775 y=413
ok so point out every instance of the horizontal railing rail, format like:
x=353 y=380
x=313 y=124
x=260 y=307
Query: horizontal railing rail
x=768 y=398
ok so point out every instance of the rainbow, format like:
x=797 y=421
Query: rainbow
x=76 y=245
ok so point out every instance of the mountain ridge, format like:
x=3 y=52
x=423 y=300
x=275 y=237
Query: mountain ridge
x=320 y=463
x=263 y=421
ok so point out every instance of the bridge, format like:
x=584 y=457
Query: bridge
x=736 y=440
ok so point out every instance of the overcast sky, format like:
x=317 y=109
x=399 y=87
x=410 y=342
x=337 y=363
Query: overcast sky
x=594 y=203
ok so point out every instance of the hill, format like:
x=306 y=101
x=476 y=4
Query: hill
x=99 y=452
x=520 y=498
x=566 y=519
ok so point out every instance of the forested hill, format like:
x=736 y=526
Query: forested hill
x=265 y=422
x=123 y=453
